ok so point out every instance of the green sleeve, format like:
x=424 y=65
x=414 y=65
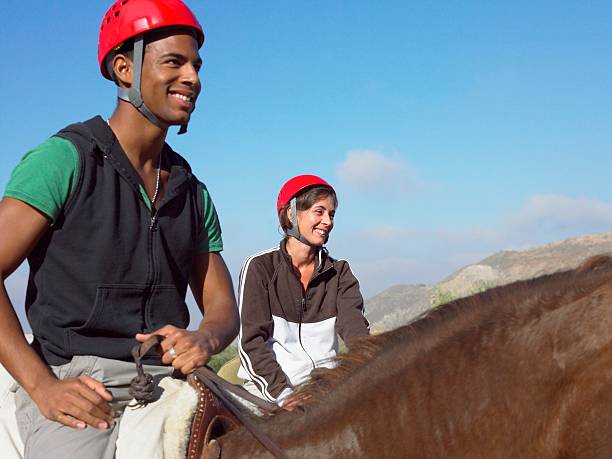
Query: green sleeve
x=210 y=234
x=45 y=177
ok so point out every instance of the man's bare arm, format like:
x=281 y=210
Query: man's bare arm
x=75 y=402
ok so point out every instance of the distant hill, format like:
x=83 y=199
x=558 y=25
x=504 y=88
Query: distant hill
x=397 y=305
x=401 y=303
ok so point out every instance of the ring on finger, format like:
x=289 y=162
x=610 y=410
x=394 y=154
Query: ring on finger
x=172 y=352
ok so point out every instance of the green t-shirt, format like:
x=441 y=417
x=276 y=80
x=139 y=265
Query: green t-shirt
x=46 y=177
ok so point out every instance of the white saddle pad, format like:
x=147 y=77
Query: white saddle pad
x=10 y=441
x=168 y=420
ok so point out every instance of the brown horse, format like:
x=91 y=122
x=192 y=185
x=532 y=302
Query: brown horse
x=521 y=371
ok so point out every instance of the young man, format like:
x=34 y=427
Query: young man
x=114 y=226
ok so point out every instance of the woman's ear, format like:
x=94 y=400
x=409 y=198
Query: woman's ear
x=290 y=217
x=122 y=68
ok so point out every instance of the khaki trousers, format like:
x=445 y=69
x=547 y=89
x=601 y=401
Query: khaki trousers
x=48 y=439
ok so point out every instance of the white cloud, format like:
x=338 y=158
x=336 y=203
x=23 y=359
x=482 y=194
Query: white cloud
x=371 y=170
x=392 y=254
x=555 y=211
x=543 y=218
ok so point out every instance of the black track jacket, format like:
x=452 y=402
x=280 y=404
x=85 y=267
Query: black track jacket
x=286 y=332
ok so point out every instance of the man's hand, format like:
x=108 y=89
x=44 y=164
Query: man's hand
x=185 y=350
x=212 y=289
x=75 y=402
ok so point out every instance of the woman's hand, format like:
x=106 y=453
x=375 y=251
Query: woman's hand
x=295 y=400
x=75 y=402
x=184 y=350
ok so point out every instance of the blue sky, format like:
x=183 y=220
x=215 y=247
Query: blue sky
x=451 y=130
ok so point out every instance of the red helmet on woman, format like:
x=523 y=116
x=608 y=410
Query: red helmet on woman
x=293 y=186
x=126 y=19
x=288 y=194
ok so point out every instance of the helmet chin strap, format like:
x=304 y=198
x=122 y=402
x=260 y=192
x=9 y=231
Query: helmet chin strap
x=133 y=94
x=294 y=231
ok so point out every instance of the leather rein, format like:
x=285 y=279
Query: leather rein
x=142 y=389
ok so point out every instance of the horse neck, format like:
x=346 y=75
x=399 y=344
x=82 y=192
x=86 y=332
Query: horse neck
x=492 y=363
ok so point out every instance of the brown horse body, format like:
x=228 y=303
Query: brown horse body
x=521 y=371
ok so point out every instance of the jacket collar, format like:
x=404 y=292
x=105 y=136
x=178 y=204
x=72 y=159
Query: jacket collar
x=322 y=259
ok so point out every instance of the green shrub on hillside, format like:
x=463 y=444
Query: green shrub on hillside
x=440 y=297
x=217 y=360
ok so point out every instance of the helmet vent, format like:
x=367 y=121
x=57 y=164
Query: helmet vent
x=117 y=13
x=124 y=2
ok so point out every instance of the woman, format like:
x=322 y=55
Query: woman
x=295 y=299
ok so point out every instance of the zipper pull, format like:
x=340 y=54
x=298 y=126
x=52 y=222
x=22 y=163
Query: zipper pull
x=303 y=304
x=153 y=225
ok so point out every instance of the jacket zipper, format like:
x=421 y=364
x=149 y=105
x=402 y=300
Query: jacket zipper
x=302 y=311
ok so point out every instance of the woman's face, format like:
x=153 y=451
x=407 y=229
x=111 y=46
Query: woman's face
x=316 y=223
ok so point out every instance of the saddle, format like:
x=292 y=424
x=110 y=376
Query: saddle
x=211 y=420
x=215 y=415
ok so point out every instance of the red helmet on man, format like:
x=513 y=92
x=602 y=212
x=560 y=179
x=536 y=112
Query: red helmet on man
x=126 y=19
x=132 y=19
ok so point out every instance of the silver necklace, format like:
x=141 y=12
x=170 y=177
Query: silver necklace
x=157 y=179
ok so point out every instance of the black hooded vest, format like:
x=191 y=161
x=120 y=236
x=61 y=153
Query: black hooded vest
x=109 y=267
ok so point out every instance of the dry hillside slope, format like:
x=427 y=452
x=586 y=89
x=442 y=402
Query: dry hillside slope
x=401 y=303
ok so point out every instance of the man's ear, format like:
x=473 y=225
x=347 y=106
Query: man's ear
x=122 y=68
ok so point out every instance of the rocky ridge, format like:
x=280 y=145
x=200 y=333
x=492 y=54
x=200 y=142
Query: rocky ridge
x=401 y=303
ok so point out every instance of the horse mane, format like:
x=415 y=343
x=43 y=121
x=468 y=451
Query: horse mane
x=323 y=380
x=513 y=304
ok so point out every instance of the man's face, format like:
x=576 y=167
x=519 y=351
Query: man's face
x=170 y=83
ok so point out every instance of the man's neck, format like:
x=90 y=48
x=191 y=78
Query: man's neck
x=141 y=140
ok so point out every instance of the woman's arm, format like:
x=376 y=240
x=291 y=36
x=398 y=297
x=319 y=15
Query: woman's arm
x=351 y=321
x=256 y=328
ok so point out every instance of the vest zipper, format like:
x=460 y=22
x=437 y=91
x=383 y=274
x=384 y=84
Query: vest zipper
x=153 y=226
x=153 y=223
